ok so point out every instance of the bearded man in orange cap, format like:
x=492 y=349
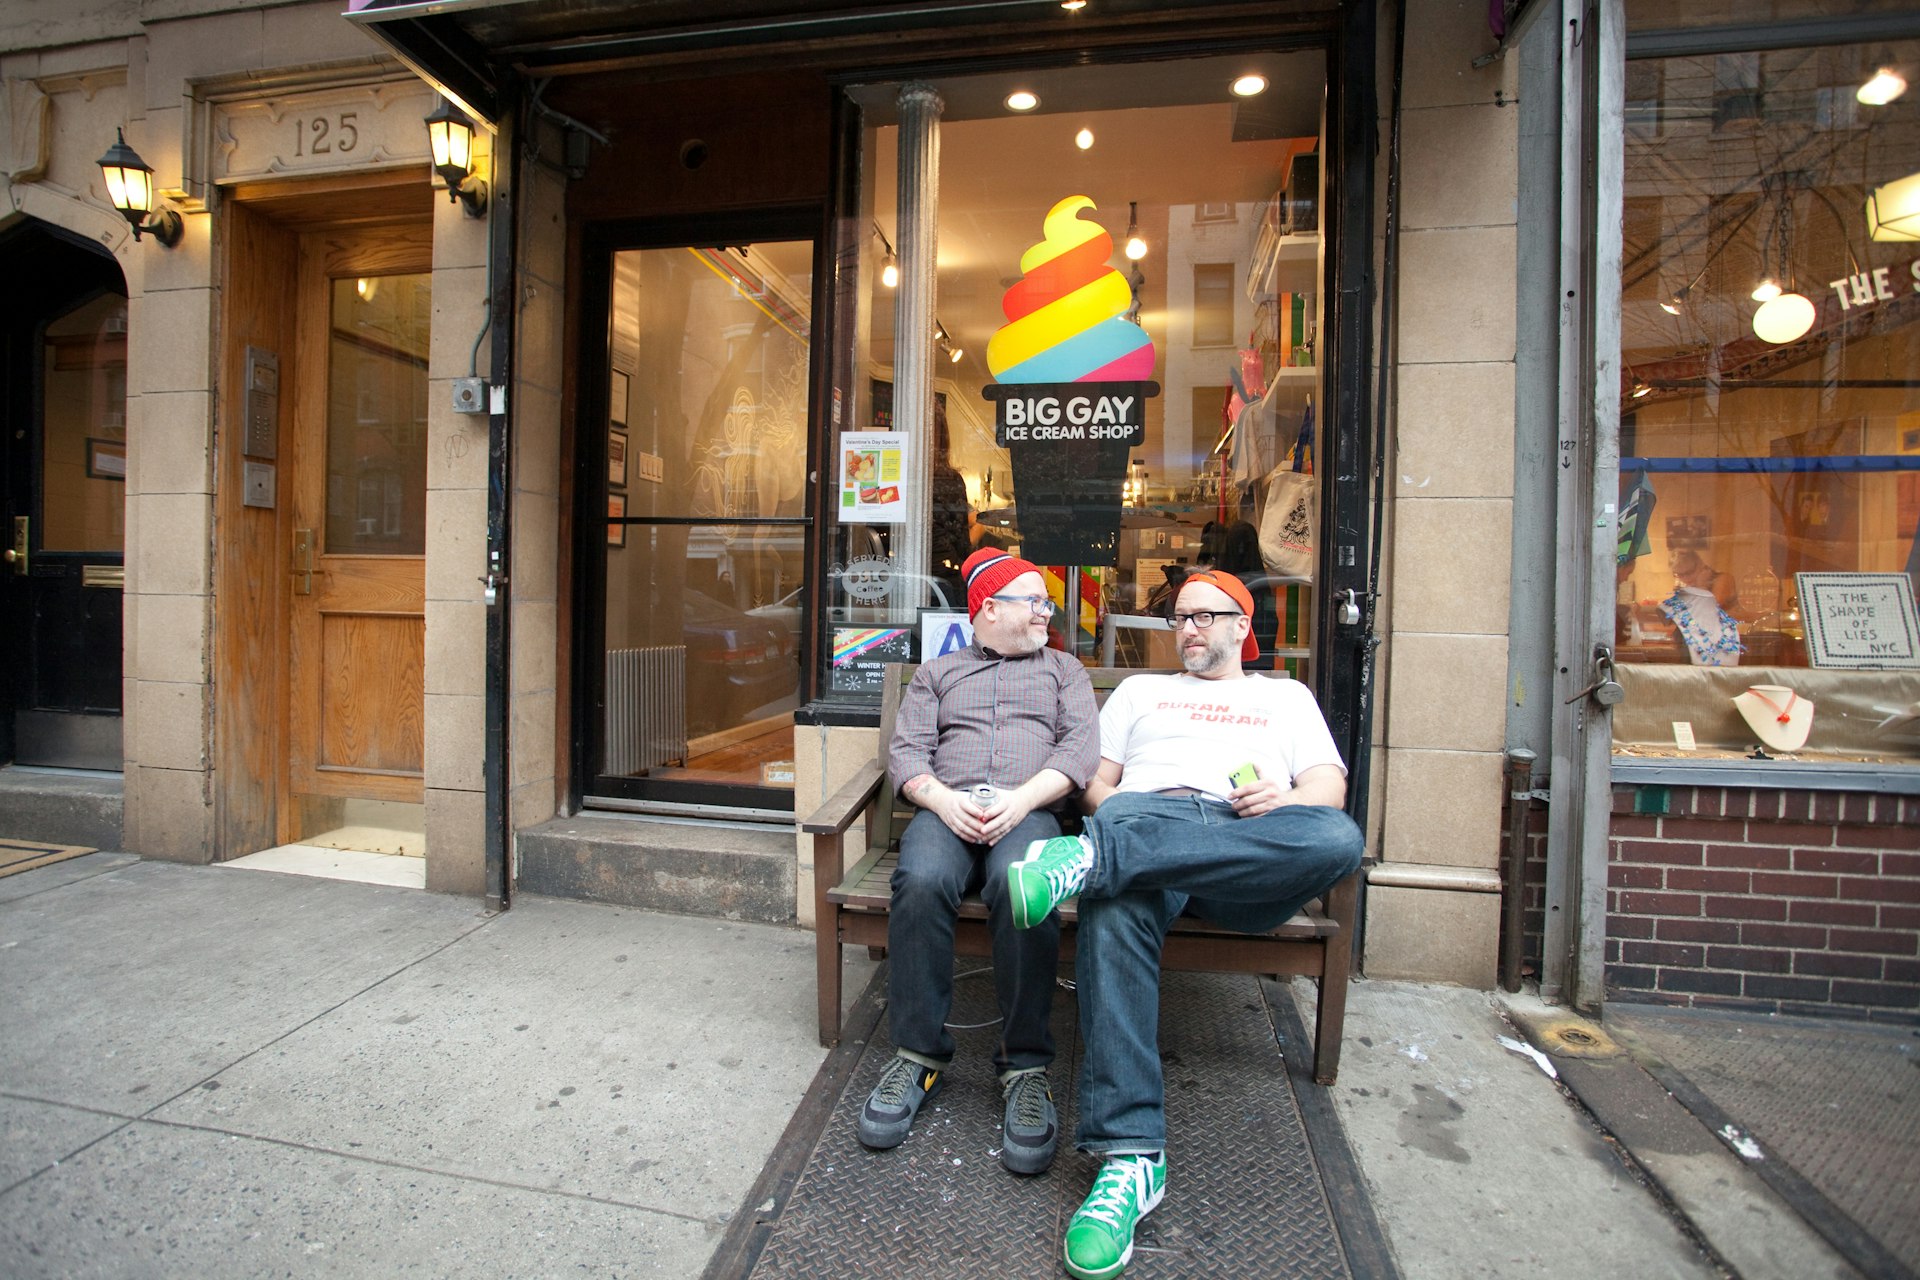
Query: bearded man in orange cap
x=988 y=739
x=1219 y=793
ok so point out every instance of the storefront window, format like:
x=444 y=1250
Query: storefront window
x=1770 y=416
x=707 y=442
x=1169 y=232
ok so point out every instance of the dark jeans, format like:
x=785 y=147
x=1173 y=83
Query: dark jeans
x=936 y=870
x=1155 y=856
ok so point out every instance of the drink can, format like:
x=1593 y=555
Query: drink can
x=983 y=795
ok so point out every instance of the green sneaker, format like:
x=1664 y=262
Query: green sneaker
x=1053 y=871
x=1100 y=1233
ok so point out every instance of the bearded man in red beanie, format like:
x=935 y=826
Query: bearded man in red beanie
x=987 y=740
x=1219 y=793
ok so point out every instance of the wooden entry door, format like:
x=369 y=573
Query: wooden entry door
x=357 y=521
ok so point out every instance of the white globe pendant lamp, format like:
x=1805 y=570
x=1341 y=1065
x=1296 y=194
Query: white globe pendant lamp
x=1784 y=319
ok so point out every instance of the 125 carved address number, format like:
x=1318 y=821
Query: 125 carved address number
x=325 y=135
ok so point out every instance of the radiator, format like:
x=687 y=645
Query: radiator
x=646 y=708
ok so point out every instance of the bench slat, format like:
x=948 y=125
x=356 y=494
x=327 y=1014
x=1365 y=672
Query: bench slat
x=869 y=887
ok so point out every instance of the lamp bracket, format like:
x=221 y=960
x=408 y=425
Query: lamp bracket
x=164 y=225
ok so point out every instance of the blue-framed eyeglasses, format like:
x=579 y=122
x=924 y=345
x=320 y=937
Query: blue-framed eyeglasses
x=1041 y=606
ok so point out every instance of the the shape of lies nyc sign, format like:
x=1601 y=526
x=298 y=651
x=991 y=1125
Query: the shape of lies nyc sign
x=1072 y=379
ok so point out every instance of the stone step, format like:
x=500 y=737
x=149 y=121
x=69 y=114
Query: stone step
x=731 y=872
x=62 y=808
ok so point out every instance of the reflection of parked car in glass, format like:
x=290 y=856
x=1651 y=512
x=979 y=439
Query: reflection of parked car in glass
x=737 y=664
x=787 y=611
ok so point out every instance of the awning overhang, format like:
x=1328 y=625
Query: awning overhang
x=468 y=49
x=433 y=42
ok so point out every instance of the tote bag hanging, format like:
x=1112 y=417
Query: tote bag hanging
x=1287 y=525
x=1289 y=522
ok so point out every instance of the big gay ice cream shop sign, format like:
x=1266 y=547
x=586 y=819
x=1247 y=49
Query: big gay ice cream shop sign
x=1072 y=378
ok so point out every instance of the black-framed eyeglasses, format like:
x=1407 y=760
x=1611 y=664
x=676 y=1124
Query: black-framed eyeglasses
x=1202 y=618
x=1041 y=605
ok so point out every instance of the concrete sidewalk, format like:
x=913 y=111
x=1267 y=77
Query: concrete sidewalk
x=214 y=1072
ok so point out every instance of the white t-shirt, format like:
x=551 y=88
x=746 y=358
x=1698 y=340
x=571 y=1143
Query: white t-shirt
x=1170 y=731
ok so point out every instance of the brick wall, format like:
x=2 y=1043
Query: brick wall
x=1794 y=901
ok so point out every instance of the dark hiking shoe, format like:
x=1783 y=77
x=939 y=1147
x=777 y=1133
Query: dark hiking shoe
x=1030 y=1129
x=894 y=1102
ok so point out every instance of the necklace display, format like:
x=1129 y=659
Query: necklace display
x=1778 y=716
x=1718 y=648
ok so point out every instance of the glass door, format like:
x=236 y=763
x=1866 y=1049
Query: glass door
x=705 y=482
x=63 y=384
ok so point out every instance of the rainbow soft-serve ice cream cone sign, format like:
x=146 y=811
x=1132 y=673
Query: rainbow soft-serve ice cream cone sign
x=1072 y=379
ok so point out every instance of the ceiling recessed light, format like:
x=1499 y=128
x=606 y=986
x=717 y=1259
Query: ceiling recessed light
x=1073 y=6
x=1248 y=85
x=1083 y=139
x=1886 y=85
x=1021 y=100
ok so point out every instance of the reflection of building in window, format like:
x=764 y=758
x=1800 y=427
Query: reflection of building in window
x=1209 y=420
x=1212 y=304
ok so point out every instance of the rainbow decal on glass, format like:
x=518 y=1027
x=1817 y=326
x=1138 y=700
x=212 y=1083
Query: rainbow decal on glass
x=854 y=642
x=1064 y=316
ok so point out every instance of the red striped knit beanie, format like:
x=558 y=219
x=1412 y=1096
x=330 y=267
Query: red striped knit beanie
x=988 y=570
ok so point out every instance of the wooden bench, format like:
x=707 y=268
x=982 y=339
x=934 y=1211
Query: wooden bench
x=851 y=903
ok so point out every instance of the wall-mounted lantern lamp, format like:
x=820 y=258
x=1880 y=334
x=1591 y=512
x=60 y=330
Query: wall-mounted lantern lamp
x=452 y=136
x=130 y=187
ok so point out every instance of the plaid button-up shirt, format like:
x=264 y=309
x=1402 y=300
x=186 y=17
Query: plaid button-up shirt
x=977 y=716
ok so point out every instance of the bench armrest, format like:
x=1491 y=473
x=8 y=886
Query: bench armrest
x=846 y=804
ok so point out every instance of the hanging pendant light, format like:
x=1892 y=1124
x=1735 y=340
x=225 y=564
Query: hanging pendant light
x=1136 y=247
x=1784 y=319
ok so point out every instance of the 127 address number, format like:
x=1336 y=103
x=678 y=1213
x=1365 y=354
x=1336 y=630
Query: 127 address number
x=325 y=135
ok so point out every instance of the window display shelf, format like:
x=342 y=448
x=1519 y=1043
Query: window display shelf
x=1294 y=266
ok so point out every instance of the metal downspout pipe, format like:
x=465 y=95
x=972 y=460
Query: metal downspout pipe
x=501 y=294
x=1513 y=905
x=917 y=222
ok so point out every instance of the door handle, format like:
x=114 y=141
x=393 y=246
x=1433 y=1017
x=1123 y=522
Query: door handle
x=17 y=553
x=303 y=562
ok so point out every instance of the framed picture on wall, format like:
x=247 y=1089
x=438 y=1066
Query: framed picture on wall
x=617 y=399
x=616 y=511
x=1689 y=533
x=106 y=459
x=617 y=459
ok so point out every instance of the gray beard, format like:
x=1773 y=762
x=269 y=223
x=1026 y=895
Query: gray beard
x=1199 y=662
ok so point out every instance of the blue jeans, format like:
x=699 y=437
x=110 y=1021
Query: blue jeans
x=1153 y=857
x=936 y=870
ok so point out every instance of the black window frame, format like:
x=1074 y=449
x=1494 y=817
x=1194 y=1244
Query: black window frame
x=599 y=241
